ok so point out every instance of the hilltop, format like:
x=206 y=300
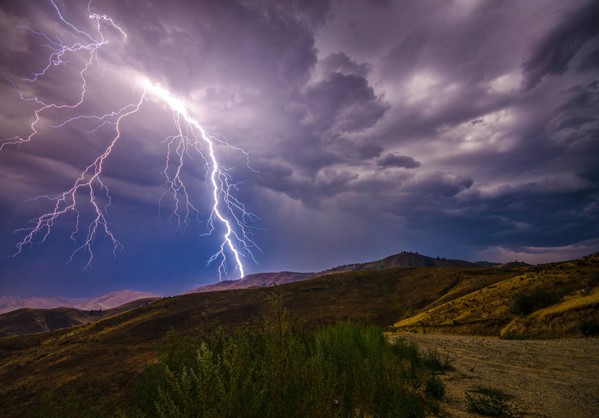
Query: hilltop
x=407 y=259
x=254 y=280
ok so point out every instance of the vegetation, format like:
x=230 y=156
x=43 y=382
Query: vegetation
x=488 y=402
x=589 y=327
x=545 y=301
x=346 y=370
x=524 y=303
x=269 y=370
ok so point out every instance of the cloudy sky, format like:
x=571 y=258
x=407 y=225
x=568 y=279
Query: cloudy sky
x=465 y=129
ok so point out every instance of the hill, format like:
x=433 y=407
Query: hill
x=403 y=259
x=550 y=300
x=108 y=301
x=406 y=259
x=101 y=360
x=29 y=321
x=254 y=280
x=8 y=304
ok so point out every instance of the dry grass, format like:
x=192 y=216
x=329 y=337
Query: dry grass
x=101 y=360
x=489 y=310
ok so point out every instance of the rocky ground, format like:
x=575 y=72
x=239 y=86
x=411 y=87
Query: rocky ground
x=536 y=378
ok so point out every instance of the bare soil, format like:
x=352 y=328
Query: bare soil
x=541 y=378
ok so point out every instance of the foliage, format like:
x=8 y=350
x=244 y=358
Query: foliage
x=589 y=327
x=71 y=405
x=279 y=370
x=526 y=303
x=488 y=402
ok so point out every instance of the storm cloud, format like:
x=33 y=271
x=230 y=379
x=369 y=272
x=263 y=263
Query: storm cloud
x=459 y=129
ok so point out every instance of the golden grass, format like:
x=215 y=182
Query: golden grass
x=560 y=320
x=488 y=311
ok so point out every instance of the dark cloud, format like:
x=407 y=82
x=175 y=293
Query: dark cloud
x=590 y=62
x=553 y=52
x=402 y=123
x=342 y=104
x=395 y=160
x=341 y=63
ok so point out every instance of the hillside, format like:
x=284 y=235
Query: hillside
x=403 y=259
x=100 y=360
x=407 y=259
x=29 y=321
x=254 y=280
x=551 y=300
x=108 y=301
x=8 y=303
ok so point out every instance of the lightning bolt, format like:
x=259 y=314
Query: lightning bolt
x=189 y=136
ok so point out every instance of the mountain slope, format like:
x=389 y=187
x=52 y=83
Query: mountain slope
x=254 y=280
x=551 y=300
x=101 y=360
x=114 y=299
x=108 y=301
x=8 y=304
x=406 y=259
x=29 y=321
x=403 y=259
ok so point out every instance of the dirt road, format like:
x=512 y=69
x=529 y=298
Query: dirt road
x=542 y=378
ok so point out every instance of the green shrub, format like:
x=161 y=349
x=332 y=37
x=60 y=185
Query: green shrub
x=488 y=402
x=346 y=370
x=589 y=327
x=526 y=303
x=70 y=405
x=434 y=387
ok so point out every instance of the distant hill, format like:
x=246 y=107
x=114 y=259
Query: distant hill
x=28 y=321
x=8 y=304
x=406 y=259
x=254 y=280
x=403 y=259
x=114 y=299
x=108 y=301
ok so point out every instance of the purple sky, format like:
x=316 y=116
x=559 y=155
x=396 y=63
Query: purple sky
x=465 y=129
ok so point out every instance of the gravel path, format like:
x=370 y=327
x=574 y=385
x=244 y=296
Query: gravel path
x=543 y=378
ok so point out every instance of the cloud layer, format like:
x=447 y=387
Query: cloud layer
x=459 y=129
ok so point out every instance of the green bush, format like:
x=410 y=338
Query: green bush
x=346 y=370
x=526 y=303
x=488 y=402
x=589 y=327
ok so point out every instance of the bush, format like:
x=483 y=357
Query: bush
x=488 y=402
x=589 y=327
x=526 y=303
x=346 y=370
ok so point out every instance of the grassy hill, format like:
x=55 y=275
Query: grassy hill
x=254 y=280
x=548 y=301
x=101 y=360
x=406 y=259
x=108 y=301
x=29 y=321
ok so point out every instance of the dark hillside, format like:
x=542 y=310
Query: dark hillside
x=101 y=359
